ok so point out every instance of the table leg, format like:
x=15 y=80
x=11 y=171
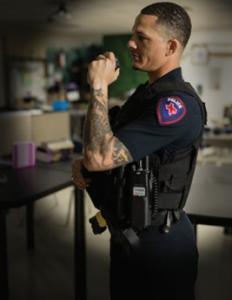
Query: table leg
x=30 y=226
x=3 y=257
x=79 y=246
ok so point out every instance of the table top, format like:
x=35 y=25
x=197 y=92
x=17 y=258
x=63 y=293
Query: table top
x=211 y=193
x=29 y=184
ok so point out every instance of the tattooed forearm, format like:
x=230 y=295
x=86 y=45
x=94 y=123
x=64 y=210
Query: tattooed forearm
x=97 y=93
x=97 y=126
x=101 y=147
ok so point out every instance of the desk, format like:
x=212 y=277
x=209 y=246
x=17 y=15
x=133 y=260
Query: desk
x=210 y=198
x=23 y=187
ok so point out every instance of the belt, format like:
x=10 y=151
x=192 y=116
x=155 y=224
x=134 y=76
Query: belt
x=164 y=219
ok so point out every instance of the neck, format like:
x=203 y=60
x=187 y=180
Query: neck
x=155 y=75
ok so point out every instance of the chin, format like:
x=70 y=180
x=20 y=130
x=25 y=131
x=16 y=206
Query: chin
x=136 y=66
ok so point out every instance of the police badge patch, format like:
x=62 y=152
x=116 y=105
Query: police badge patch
x=170 y=110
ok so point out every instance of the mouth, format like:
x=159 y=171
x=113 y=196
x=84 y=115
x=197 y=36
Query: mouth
x=135 y=57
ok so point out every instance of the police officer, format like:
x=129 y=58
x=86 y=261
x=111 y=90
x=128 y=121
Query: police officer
x=157 y=132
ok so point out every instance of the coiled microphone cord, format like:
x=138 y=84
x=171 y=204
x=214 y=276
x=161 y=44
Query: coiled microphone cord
x=155 y=192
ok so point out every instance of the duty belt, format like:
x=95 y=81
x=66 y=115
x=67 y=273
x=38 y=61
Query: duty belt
x=130 y=237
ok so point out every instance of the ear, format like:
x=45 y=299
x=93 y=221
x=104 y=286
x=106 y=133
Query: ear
x=172 y=46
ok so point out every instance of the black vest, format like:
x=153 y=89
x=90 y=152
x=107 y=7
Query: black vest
x=174 y=172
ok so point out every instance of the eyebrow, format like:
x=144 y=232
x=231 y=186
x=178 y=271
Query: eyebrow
x=141 y=33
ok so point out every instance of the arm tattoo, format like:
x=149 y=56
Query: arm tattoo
x=120 y=153
x=97 y=131
x=97 y=124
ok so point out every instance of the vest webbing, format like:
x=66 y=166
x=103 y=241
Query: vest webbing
x=175 y=172
x=173 y=189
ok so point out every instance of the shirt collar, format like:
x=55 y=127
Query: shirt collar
x=175 y=74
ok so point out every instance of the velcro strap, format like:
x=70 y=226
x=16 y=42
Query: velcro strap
x=175 y=168
x=170 y=201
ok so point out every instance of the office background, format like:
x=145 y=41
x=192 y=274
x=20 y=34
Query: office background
x=44 y=47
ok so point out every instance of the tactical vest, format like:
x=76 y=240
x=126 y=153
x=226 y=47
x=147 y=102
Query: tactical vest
x=173 y=171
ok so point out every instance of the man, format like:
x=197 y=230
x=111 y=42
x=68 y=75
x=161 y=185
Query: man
x=157 y=132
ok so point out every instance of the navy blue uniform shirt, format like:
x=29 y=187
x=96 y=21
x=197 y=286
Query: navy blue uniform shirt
x=163 y=266
x=173 y=120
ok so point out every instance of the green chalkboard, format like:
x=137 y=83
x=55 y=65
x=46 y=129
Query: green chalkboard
x=128 y=78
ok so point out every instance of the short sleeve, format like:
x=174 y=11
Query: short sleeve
x=171 y=119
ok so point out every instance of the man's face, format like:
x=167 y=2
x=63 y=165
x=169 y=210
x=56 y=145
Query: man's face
x=147 y=44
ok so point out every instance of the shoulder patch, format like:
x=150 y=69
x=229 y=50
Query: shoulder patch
x=170 y=110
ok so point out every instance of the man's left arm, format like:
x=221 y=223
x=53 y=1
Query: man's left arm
x=102 y=150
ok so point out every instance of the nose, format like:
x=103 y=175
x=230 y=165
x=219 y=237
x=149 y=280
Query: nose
x=131 y=44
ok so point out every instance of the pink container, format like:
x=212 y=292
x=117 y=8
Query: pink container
x=23 y=154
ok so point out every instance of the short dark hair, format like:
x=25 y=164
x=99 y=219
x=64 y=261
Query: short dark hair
x=173 y=17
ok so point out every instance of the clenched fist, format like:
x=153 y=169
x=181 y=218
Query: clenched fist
x=103 y=70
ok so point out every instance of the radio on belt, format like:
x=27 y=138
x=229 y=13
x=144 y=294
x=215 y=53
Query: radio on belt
x=140 y=210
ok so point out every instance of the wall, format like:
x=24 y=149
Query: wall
x=218 y=67
x=35 y=43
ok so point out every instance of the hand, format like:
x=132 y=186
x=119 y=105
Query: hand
x=77 y=176
x=101 y=71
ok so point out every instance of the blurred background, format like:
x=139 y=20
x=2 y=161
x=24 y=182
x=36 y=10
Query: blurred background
x=45 y=47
